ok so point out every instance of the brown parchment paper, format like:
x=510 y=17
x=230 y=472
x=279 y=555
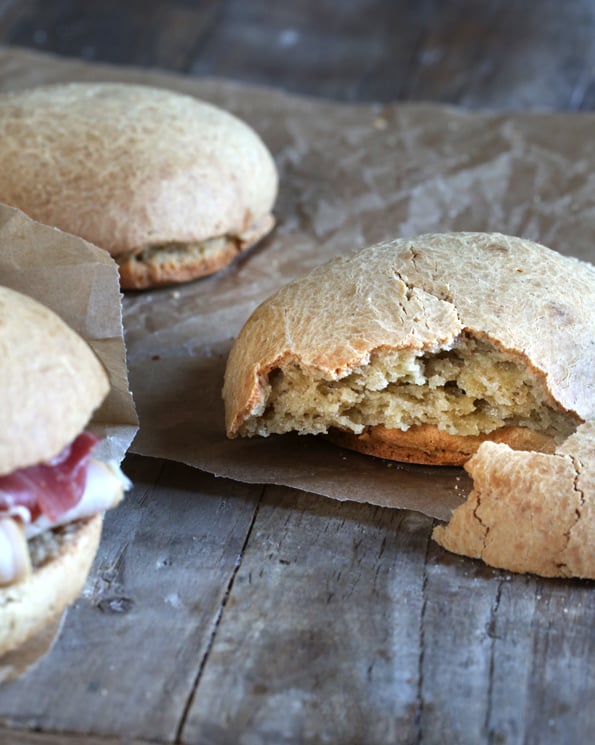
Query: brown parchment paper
x=350 y=175
x=80 y=283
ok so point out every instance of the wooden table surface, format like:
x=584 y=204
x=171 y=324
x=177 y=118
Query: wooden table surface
x=219 y=612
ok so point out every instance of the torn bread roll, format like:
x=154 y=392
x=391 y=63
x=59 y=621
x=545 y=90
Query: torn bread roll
x=53 y=492
x=173 y=187
x=419 y=350
x=530 y=512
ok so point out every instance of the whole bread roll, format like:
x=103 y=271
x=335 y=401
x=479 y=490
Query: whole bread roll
x=173 y=187
x=421 y=349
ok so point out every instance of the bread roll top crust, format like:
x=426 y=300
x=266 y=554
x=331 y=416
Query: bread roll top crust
x=528 y=511
x=130 y=167
x=51 y=382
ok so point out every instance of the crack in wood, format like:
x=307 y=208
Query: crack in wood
x=491 y=631
x=419 y=702
x=216 y=623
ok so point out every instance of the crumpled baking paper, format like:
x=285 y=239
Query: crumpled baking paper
x=350 y=175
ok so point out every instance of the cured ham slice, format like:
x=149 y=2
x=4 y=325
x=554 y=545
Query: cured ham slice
x=26 y=510
x=49 y=489
x=104 y=488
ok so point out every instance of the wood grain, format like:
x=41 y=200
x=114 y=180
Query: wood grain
x=137 y=637
x=21 y=737
x=324 y=611
x=506 y=54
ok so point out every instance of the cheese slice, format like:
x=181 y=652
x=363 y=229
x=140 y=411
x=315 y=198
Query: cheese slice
x=15 y=562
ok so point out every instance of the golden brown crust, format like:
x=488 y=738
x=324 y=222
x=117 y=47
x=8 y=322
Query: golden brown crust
x=432 y=446
x=529 y=512
x=26 y=607
x=51 y=382
x=131 y=166
x=181 y=263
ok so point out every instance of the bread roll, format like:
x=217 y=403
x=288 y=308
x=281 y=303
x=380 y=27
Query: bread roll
x=52 y=492
x=173 y=187
x=421 y=349
x=62 y=559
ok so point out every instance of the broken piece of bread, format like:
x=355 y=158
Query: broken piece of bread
x=421 y=349
x=528 y=511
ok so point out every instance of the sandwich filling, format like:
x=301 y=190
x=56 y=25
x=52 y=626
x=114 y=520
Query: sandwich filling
x=470 y=388
x=72 y=486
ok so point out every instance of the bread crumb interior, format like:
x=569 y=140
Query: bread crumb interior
x=470 y=389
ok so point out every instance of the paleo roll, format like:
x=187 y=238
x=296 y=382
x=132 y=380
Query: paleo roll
x=53 y=489
x=173 y=187
x=420 y=349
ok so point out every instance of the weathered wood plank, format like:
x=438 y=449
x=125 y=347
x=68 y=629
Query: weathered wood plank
x=318 y=47
x=498 y=55
x=157 y=33
x=506 y=54
x=320 y=639
x=132 y=646
x=496 y=647
x=345 y=625
x=454 y=670
x=502 y=55
x=543 y=681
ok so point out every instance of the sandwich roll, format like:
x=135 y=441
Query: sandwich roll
x=61 y=560
x=104 y=488
x=53 y=491
x=173 y=187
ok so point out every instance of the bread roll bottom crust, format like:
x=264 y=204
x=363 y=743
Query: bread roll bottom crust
x=426 y=444
x=173 y=263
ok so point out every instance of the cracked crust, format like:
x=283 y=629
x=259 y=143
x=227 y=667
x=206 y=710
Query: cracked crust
x=131 y=167
x=530 y=512
x=417 y=298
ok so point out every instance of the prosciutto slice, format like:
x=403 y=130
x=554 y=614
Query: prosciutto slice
x=51 y=488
